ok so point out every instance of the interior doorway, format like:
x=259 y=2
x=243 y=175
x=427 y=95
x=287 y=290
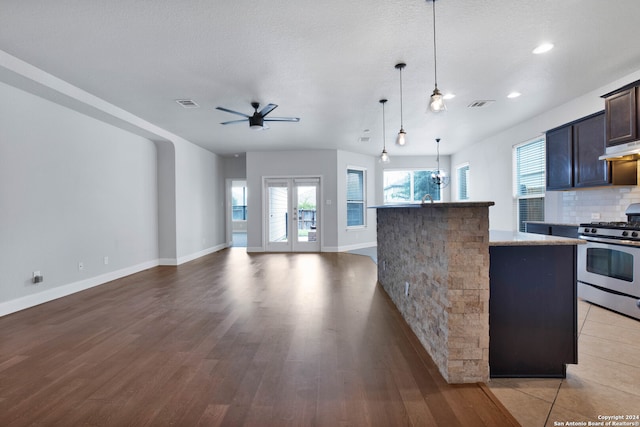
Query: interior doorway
x=238 y=213
x=292 y=220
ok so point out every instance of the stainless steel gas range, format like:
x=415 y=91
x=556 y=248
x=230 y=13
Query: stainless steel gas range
x=609 y=263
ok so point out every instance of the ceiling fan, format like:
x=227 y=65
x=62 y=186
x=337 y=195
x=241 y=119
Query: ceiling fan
x=256 y=121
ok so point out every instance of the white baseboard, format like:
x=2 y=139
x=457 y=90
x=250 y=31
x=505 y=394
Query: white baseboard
x=201 y=253
x=47 y=295
x=347 y=248
x=255 y=249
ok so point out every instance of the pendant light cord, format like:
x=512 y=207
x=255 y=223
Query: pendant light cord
x=438 y=154
x=384 y=141
x=401 y=120
x=435 y=56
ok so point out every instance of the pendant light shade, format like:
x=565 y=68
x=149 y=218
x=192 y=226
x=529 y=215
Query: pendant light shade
x=436 y=101
x=384 y=156
x=439 y=177
x=401 y=139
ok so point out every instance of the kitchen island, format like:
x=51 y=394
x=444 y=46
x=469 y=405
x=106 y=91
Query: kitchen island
x=434 y=262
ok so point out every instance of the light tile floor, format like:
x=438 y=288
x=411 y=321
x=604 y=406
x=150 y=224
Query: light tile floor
x=606 y=380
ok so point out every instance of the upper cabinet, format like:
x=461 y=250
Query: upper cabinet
x=559 y=146
x=588 y=145
x=622 y=114
x=572 y=157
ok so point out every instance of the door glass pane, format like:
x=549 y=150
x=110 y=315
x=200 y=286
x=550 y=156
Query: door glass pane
x=307 y=205
x=278 y=214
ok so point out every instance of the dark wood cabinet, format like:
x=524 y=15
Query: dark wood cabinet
x=573 y=152
x=562 y=230
x=588 y=145
x=532 y=310
x=622 y=114
x=559 y=145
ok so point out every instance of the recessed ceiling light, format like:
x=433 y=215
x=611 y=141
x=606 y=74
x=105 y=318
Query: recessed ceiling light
x=449 y=95
x=544 y=47
x=514 y=95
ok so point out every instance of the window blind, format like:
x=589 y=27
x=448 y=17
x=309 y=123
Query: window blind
x=355 y=197
x=463 y=177
x=530 y=182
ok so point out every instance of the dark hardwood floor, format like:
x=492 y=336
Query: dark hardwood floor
x=230 y=339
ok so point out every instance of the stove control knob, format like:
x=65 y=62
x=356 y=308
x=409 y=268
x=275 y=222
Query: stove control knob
x=625 y=233
x=638 y=303
x=634 y=234
x=593 y=230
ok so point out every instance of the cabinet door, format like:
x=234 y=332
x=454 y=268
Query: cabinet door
x=621 y=111
x=588 y=145
x=559 y=158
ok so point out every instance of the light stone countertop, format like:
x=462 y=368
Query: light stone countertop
x=434 y=205
x=517 y=238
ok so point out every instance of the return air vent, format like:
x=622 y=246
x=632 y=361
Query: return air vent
x=187 y=103
x=364 y=139
x=481 y=103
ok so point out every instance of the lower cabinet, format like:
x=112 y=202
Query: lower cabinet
x=562 y=230
x=532 y=310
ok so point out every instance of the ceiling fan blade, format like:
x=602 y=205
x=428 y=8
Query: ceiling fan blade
x=232 y=112
x=267 y=109
x=282 y=119
x=234 y=121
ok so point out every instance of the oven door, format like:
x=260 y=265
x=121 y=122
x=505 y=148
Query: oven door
x=610 y=266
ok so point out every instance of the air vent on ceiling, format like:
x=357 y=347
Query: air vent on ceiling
x=187 y=103
x=481 y=103
x=364 y=139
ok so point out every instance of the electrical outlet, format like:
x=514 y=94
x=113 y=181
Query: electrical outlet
x=106 y=260
x=37 y=277
x=80 y=266
x=595 y=216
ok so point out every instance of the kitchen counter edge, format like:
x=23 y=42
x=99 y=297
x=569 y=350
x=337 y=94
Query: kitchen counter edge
x=517 y=238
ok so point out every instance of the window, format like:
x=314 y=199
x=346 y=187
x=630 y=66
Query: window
x=463 y=181
x=355 y=197
x=239 y=201
x=529 y=159
x=406 y=186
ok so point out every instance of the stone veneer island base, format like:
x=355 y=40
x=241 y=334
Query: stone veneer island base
x=433 y=261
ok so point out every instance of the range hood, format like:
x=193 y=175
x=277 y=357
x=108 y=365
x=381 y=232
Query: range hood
x=627 y=151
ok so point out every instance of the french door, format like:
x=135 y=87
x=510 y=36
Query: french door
x=292 y=217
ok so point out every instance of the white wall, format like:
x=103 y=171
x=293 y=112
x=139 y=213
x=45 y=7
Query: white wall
x=72 y=189
x=356 y=238
x=320 y=163
x=490 y=160
x=200 y=201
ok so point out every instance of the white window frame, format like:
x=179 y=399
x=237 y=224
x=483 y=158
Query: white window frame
x=458 y=183
x=412 y=171
x=364 y=198
x=516 y=196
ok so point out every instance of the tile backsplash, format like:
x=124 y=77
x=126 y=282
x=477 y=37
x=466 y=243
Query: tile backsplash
x=610 y=203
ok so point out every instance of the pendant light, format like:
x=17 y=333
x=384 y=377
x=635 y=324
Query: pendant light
x=401 y=139
x=436 y=102
x=439 y=177
x=384 y=157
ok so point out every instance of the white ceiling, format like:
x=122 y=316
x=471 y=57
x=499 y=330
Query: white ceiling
x=326 y=62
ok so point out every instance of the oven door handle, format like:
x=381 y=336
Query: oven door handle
x=618 y=242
